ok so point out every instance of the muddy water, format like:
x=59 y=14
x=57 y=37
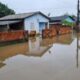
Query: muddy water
x=41 y=59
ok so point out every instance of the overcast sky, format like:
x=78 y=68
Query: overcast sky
x=55 y=7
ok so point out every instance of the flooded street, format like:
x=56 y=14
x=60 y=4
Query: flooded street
x=41 y=59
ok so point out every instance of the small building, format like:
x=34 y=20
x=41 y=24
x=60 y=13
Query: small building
x=33 y=21
x=64 y=20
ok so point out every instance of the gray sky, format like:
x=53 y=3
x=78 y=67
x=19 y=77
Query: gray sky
x=55 y=7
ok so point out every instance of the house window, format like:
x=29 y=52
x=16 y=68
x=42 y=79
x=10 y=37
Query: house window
x=32 y=26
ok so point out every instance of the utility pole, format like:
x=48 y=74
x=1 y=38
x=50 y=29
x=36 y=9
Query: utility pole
x=78 y=13
x=77 y=30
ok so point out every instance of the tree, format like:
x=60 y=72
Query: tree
x=4 y=10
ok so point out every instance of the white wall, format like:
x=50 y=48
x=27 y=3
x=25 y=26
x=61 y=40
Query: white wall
x=34 y=21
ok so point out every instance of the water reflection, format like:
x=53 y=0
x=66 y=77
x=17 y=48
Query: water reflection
x=77 y=54
x=12 y=50
x=62 y=39
x=41 y=59
x=2 y=64
x=65 y=39
x=32 y=48
x=35 y=47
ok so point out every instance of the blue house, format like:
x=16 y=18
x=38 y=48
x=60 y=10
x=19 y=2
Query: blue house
x=33 y=21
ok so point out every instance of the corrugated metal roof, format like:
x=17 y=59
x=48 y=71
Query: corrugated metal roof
x=59 y=18
x=20 y=16
x=16 y=16
x=8 y=22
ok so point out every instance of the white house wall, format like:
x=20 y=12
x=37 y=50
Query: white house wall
x=34 y=21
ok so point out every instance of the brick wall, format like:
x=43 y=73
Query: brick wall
x=56 y=30
x=12 y=35
x=49 y=33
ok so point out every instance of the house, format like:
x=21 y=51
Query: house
x=36 y=47
x=64 y=20
x=33 y=21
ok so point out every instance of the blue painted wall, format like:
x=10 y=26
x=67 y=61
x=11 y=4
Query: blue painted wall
x=42 y=26
x=33 y=23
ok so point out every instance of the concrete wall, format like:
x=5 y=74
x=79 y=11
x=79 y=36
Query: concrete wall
x=32 y=23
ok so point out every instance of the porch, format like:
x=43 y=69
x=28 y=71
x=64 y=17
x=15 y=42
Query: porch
x=12 y=30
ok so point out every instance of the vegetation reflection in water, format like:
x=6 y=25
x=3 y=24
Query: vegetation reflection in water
x=51 y=58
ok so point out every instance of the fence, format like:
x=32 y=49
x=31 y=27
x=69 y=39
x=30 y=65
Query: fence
x=13 y=35
x=65 y=30
x=49 y=33
x=56 y=31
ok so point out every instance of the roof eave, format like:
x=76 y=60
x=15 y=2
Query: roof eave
x=12 y=19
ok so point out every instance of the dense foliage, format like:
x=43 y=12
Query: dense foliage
x=4 y=10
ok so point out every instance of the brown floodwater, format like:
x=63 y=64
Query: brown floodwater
x=55 y=58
